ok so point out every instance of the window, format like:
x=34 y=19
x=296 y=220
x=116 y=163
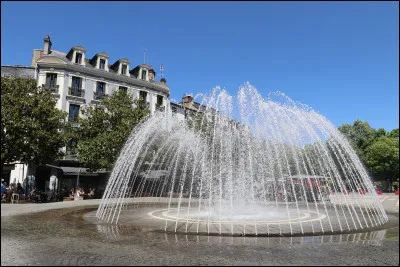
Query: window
x=73 y=112
x=76 y=82
x=123 y=88
x=159 y=100
x=78 y=58
x=144 y=74
x=102 y=64
x=123 y=69
x=51 y=80
x=100 y=90
x=143 y=95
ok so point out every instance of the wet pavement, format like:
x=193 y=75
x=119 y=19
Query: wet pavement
x=60 y=234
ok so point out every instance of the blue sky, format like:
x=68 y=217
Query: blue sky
x=340 y=58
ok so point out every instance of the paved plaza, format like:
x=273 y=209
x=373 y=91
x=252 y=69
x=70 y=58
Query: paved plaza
x=60 y=234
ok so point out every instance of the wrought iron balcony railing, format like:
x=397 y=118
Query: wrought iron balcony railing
x=79 y=92
x=99 y=95
x=52 y=87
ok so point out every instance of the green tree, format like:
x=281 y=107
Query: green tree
x=103 y=129
x=360 y=135
x=382 y=157
x=380 y=132
x=394 y=133
x=30 y=123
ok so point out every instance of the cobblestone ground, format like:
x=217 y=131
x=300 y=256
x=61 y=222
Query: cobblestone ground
x=63 y=237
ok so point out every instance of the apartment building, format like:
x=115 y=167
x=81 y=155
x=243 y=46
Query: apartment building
x=76 y=80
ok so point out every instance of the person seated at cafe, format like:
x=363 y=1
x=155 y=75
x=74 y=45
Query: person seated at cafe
x=91 y=193
x=64 y=192
x=8 y=194
x=20 y=189
x=80 y=191
x=13 y=188
x=72 y=192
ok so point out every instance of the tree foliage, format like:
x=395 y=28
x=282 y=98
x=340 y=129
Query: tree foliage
x=103 y=129
x=394 y=133
x=378 y=149
x=382 y=157
x=30 y=123
x=360 y=135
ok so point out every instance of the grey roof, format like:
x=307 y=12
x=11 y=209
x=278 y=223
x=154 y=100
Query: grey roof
x=63 y=56
x=19 y=71
x=58 y=54
x=89 y=66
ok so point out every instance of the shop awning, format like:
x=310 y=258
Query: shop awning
x=74 y=170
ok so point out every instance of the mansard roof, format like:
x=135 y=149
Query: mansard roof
x=45 y=60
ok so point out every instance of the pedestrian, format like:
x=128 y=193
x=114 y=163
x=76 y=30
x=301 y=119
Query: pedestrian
x=3 y=187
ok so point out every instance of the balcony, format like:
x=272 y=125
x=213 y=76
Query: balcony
x=99 y=96
x=76 y=94
x=79 y=92
x=52 y=87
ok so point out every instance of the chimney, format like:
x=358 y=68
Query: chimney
x=187 y=100
x=47 y=45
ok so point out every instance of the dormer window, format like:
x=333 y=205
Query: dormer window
x=102 y=64
x=78 y=58
x=100 y=61
x=144 y=72
x=77 y=55
x=123 y=69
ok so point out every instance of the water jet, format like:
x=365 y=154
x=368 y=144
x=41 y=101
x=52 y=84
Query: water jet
x=243 y=166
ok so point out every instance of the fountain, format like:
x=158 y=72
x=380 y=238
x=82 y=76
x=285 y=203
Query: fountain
x=253 y=166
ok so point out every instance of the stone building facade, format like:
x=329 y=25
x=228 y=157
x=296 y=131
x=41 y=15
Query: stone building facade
x=77 y=80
